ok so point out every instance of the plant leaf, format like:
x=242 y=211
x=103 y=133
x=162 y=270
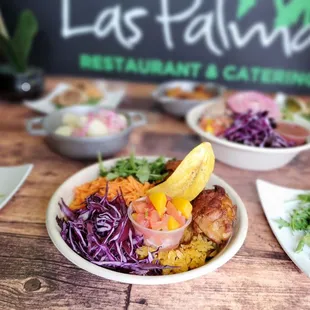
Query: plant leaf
x=143 y=173
x=300 y=246
x=112 y=175
x=132 y=160
x=282 y=223
x=305 y=240
x=244 y=6
x=9 y=53
x=305 y=198
x=306 y=116
x=3 y=29
x=26 y=29
x=102 y=170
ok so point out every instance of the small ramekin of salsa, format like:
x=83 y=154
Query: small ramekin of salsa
x=160 y=219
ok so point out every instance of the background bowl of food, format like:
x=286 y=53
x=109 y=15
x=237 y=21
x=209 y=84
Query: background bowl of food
x=178 y=97
x=82 y=132
x=80 y=92
x=249 y=132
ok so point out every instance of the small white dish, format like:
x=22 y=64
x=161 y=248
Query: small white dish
x=179 y=107
x=111 y=98
x=66 y=191
x=11 y=179
x=239 y=155
x=276 y=203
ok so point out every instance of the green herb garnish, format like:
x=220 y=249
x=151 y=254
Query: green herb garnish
x=282 y=223
x=143 y=173
x=89 y=102
x=93 y=101
x=141 y=169
x=305 y=240
x=287 y=114
x=102 y=169
x=299 y=220
x=306 y=116
x=304 y=198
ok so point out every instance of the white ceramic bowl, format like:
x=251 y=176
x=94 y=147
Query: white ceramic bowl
x=179 y=107
x=238 y=155
x=65 y=191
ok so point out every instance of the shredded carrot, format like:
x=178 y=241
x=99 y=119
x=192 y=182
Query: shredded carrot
x=130 y=187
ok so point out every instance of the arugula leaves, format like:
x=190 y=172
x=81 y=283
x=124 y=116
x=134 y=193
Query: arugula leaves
x=306 y=116
x=304 y=198
x=141 y=169
x=305 y=240
x=299 y=220
x=282 y=223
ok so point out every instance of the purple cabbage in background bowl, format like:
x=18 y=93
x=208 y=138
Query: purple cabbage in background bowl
x=255 y=129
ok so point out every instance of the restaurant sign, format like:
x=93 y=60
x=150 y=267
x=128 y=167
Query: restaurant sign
x=241 y=43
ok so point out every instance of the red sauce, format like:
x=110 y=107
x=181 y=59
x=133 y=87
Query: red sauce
x=293 y=132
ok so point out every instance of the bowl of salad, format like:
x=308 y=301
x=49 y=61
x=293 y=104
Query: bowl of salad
x=249 y=132
x=82 y=132
x=148 y=220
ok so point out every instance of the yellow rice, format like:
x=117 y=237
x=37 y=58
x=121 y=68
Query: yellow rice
x=186 y=256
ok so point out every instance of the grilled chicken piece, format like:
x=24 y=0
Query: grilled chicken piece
x=214 y=214
x=171 y=165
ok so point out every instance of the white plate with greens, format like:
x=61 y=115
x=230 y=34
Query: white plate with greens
x=11 y=179
x=288 y=212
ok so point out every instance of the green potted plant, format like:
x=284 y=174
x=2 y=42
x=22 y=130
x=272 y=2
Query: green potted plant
x=18 y=80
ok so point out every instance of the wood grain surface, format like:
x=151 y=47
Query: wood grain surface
x=34 y=275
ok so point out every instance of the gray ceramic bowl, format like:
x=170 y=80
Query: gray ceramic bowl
x=180 y=107
x=83 y=147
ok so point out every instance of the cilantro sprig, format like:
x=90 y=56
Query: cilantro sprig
x=299 y=220
x=141 y=169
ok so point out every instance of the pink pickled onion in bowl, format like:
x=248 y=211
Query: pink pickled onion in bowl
x=80 y=132
x=113 y=121
x=242 y=102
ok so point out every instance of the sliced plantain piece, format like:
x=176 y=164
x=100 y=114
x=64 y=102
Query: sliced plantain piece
x=191 y=176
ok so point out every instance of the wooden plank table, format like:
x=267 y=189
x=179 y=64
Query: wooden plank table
x=34 y=275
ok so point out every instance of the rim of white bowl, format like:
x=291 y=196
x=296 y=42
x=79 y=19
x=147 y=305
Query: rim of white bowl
x=156 y=94
x=231 y=248
x=192 y=119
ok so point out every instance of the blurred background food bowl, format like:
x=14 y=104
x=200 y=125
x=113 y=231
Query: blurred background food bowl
x=83 y=147
x=178 y=97
x=238 y=155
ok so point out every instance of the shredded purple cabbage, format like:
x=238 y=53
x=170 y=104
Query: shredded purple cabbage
x=255 y=129
x=103 y=234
